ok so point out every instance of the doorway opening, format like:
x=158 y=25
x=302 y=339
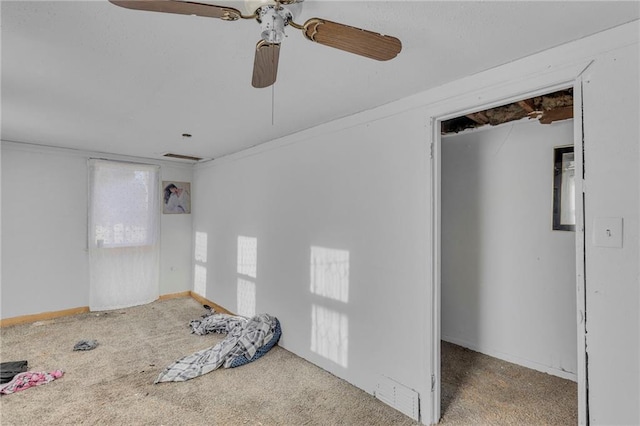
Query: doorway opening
x=507 y=280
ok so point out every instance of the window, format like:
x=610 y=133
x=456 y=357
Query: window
x=124 y=228
x=123 y=208
x=564 y=189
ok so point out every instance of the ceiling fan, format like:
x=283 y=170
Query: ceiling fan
x=273 y=17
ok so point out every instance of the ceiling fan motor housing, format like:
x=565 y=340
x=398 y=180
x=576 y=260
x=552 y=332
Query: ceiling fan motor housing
x=273 y=20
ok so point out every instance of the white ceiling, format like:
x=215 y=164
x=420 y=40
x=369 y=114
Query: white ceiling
x=94 y=76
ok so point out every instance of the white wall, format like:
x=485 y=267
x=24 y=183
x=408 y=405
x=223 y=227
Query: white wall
x=363 y=184
x=176 y=239
x=508 y=279
x=44 y=220
x=607 y=67
x=612 y=135
x=0 y=229
x=354 y=202
x=44 y=223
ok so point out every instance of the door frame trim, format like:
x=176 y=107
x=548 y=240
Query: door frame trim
x=520 y=89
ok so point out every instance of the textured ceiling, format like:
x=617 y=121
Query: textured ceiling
x=94 y=76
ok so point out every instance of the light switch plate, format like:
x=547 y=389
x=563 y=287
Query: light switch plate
x=607 y=232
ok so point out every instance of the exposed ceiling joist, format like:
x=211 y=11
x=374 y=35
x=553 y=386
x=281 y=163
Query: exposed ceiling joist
x=479 y=118
x=526 y=105
x=557 y=114
x=547 y=108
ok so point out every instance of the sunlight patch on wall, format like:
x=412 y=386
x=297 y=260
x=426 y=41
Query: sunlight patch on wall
x=246 y=298
x=330 y=334
x=200 y=280
x=201 y=247
x=247 y=268
x=248 y=256
x=200 y=271
x=330 y=273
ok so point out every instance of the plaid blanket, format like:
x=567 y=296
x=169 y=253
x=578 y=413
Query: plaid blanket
x=216 y=323
x=243 y=339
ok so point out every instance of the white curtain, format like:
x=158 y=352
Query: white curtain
x=124 y=234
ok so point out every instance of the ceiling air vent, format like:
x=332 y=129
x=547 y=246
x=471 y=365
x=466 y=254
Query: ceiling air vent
x=182 y=157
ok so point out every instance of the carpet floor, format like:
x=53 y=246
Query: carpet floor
x=113 y=384
x=481 y=390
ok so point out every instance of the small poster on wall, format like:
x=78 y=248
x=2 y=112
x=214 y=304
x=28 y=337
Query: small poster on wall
x=177 y=197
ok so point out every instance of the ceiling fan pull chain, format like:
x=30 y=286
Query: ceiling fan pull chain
x=275 y=59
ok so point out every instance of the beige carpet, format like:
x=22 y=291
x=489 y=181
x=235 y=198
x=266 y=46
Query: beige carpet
x=479 y=390
x=113 y=384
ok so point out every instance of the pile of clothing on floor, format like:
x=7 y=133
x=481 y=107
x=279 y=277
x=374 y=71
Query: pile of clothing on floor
x=247 y=340
x=14 y=377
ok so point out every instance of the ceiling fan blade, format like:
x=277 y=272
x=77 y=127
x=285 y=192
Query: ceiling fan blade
x=351 y=39
x=265 y=64
x=182 y=8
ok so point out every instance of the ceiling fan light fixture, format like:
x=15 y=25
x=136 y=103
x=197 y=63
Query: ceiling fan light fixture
x=253 y=6
x=272 y=21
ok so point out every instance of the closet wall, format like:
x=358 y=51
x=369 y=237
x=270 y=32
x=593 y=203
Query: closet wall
x=508 y=279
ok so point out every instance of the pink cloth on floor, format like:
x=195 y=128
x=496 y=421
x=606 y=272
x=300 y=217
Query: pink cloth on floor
x=28 y=379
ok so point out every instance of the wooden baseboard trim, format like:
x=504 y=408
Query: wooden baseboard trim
x=205 y=301
x=24 y=319
x=44 y=316
x=175 y=295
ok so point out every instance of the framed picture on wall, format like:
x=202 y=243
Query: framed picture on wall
x=176 y=197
